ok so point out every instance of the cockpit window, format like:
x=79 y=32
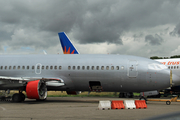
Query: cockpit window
x=157 y=66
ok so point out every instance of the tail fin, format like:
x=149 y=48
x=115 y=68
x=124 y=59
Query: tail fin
x=66 y=44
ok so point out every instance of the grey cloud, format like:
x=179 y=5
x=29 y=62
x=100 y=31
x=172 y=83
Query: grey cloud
x=88 y=21
x=4 y=36
x=137 y=36
x=154 y=40
x=176 y=31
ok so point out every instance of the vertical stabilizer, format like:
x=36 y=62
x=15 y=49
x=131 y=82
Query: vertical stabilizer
x=66 y=44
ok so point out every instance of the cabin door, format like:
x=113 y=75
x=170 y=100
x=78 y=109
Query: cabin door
x=132 y=68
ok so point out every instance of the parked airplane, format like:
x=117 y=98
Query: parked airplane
x=36 y=74
x=171 y=63
x=174 y=66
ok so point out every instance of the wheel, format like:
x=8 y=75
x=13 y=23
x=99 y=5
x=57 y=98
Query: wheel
x=143 y=98
x=16 y=97
x=168 y=102
x=131 y=95
x=121 y=95
x=22 y=96
x=127 y=95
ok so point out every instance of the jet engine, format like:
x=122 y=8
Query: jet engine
x=36 y=89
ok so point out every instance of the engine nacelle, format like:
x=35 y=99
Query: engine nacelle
x=36 y=90
x=73 y=92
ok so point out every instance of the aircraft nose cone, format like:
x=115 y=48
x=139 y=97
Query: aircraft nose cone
x=175 y=80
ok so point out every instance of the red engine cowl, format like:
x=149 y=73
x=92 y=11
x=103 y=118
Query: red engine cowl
x=36 y=90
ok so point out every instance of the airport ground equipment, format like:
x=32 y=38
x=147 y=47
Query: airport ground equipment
x=168 y=102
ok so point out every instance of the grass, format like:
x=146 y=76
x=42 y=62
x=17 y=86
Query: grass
x=83 y=94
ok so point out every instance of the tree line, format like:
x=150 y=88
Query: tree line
x=156 y=57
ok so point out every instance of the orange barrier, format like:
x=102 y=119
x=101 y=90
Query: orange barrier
x=117 y=104
x=140 y=104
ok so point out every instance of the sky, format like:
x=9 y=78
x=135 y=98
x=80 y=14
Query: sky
x=131 y=27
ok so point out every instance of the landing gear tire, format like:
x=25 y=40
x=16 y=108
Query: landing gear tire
x=143 y=98
x=121 y=95
x=22 y=97
x=126 y=95
x=18 y=97
x=168 y=102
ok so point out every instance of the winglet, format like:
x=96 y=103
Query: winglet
x=66 y=44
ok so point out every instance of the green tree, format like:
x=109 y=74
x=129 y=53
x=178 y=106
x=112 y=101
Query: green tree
x=175 y=56
x=155 y=57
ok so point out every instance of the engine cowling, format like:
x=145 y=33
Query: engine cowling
x=36 y=89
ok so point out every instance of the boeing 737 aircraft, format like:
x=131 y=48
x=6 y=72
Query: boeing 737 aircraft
x=170 y=63
x=36 y=74
x=174 y=66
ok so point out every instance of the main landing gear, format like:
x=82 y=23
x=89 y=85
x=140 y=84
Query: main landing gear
x=18 y=97
x=126 y=95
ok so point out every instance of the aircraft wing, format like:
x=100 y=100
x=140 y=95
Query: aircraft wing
x=50 y=81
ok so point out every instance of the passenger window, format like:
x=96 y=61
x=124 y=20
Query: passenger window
x=78 y=67
x=171 y=67
x=69 y=67
x=23 y=67
x=168 y=67
x=43 y=67
x=174 y=67
x=102 y=67
x=177 y=67
x=112 y=67
x=74 y=67
x=51 y=67
x=83 y=67
x=38 y=67
x=107 y=67
x=1 y=67
x=97 y=67
x=55 y=67
x=59 y=67
x=14 y=67
x=117 y=67
x=87 y=67
x=5 y=67
x=27 y=67
x=47 y=67
x=92 y=67
x=122 y=67
x=19 y=67
x=9 y=67
x=33 y=67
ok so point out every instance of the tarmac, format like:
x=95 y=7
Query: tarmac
x=81 y=108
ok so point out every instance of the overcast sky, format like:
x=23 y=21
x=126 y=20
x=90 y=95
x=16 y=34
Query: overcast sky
x=132 y=27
